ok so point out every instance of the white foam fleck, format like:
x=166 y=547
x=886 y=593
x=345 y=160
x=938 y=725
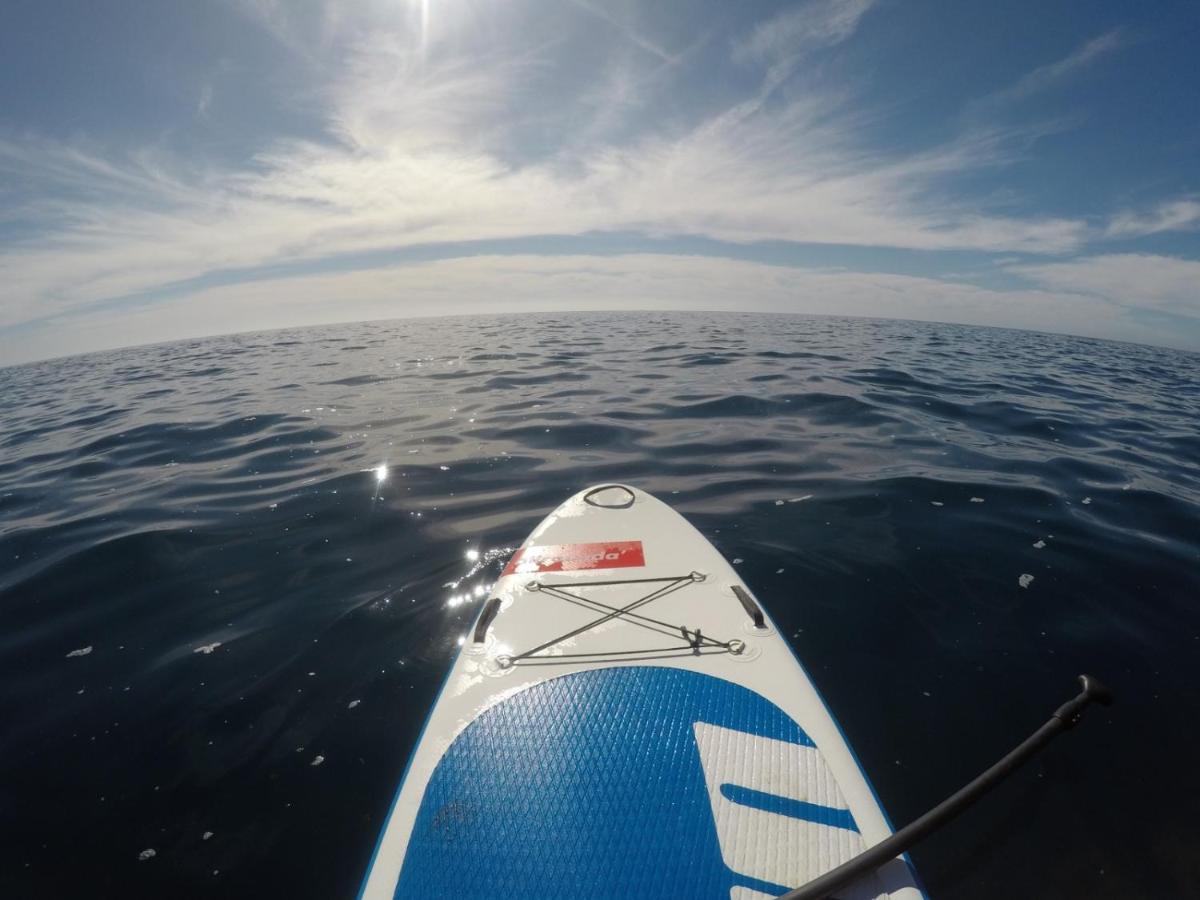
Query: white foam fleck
x=206 y=835
x=936 y=503
x=801 y=499
x=1087 y=500
x=1025 y=581
x=1039 y=544
x=148 y=853
x=207 y=648
x=353 y=703
x=82 y=651
x=779 y=571
x=737 y=562
x=976 y=499
x=779 y=503
x=317 y=760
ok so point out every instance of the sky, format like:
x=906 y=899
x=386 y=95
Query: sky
x=173 y=169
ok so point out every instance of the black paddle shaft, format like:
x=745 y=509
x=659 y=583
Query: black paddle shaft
x=1064 y=718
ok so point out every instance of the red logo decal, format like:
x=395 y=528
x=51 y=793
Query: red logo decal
x=573 y=557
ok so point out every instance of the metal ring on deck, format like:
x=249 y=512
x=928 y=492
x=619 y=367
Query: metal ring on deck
x=587 y=498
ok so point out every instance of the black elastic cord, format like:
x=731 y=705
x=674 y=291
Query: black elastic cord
x=694 y=640
x=641 y=601
x=666 y=627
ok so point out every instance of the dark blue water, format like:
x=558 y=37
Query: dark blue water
x=220 y=496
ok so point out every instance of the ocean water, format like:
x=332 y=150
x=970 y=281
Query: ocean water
x=222 y=631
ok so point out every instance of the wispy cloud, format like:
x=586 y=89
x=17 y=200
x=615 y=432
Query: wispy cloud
x=634 y=281
x=1174 y=215
x=204 y=103
x=417 y=152
x=507 y=127
x=816 y=23
x=1131 y=280
x=1051 y=75
x=294 y=25
x=630 y=33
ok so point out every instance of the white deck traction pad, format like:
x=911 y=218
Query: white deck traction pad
x=781 y=838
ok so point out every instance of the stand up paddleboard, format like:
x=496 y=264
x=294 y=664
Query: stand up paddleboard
x=624 y=721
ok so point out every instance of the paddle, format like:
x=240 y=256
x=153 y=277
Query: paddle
x=1064 y=718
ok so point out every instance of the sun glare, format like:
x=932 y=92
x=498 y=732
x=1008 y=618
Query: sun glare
x=422 y=14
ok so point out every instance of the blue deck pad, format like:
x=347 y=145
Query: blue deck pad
x=588 y=785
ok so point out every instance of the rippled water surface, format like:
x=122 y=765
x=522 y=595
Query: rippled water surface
x=222 y=630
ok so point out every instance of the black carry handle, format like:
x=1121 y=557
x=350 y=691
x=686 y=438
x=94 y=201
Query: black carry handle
x=1065 y=717
x=490 y=609
x=752 y=609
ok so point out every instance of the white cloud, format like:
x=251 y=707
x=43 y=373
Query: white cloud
x=417 y=155
x=438 y=135
x=1174 y=215
x=524 y=283
x=1162 y=283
